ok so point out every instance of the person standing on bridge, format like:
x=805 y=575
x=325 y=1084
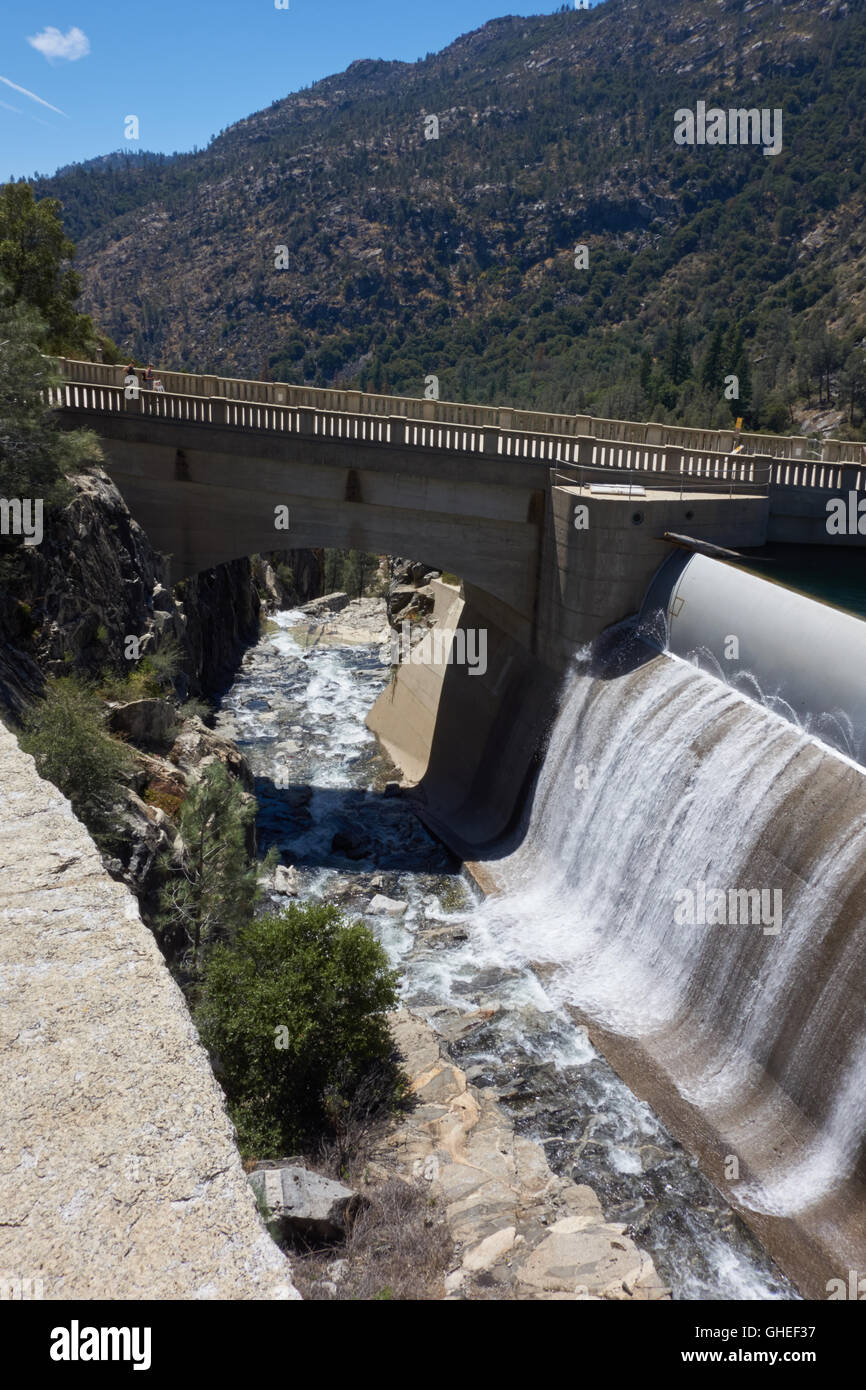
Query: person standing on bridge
x=148 y=377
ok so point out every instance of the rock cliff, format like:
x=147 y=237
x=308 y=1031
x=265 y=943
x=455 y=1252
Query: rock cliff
x=95 y=582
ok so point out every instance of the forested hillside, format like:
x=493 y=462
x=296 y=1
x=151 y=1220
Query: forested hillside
x=455 y=256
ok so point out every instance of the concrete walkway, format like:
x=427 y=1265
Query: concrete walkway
x=119 y=1176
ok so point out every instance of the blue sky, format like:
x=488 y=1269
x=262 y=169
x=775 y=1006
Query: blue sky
x=188 y=68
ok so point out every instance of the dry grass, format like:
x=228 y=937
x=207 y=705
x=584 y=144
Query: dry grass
x=398 y=1247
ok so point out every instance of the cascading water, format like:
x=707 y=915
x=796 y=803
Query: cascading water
x=658 y=789
x=651 y=783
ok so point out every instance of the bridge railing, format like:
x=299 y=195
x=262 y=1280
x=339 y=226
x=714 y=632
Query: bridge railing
x=798 y=449
x=665 y=461
x=676 y=470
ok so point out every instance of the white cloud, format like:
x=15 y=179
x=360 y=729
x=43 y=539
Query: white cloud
x=52 y=44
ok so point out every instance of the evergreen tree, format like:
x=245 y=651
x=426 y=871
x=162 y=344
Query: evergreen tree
x=678 y=361
x=33 y=261
x=646 y=373
x=711 y=367
x=34 y=452
x=741 y=369
x=213 y=890
x=852 y=382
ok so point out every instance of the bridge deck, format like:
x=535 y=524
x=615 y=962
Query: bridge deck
x=491 y=434
x=797 y=448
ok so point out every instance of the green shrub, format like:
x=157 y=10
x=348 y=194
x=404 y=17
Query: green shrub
x=151 y=678
x=196 y=709
x=65 y=735
x=160 y=667
x=286 y=575
x=293 y=1008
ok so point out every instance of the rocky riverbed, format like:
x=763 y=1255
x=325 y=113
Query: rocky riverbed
x=297 y=713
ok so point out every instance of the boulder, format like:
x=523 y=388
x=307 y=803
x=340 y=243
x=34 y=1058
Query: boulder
x=328 y=603
x=491 y=1249
x=142 y=834
x=149 y=723
x=286 y=880
x=304 y=1203
x=392 y=906
x=400 y=599
x=196 y=745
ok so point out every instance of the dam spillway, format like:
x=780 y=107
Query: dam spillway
x=660 y=787
x=802 y=658
x=686 y=876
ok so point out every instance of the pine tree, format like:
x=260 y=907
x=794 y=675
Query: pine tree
x=33 y=256
x=711 y=367
x=212 y=891
x=34 y=451
x=646 y=373
x=678 y=361
x=740 y=367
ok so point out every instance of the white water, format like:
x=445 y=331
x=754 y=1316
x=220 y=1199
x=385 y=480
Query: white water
x=581 y=923
x=651 y=784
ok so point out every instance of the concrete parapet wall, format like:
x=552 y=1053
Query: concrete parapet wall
x=119 y=1174
x=798 y=516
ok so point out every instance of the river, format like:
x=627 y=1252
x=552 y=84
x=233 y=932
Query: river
x=298 y=716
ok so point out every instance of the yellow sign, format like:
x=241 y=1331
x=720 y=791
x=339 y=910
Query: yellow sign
x=739 y=424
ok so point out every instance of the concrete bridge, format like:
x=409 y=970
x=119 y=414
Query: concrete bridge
x=553 y=522
x=212 y=466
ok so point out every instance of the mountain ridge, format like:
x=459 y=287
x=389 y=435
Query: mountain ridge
x=454 y=256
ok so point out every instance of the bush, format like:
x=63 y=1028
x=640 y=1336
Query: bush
x=151 y=678
x=398 y=1247
x=291 y=1009
x=65 y=735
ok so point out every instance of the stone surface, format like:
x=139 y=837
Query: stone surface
x=337 y=620
x=286 y=880
x=326 y=605
x=391 y=906
x=144 y=722
x=304 y=1202
x=196 y=746
x=516 y=1224
x=490 y=1250
x=119 y=1173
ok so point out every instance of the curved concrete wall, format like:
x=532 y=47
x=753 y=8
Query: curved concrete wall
x=468 y=740
x=804 y=655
